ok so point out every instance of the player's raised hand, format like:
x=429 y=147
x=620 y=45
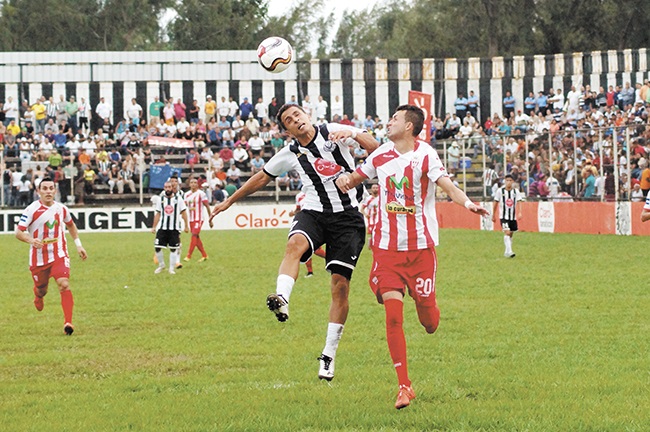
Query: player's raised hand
x=340 y=135
x=343 y=183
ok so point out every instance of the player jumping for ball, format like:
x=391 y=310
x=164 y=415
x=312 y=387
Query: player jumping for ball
x=41 y=225
x=406 y=232
x=328 y=216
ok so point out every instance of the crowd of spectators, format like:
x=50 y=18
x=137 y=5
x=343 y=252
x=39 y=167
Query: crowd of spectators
x=582 y=159
x=226 y=141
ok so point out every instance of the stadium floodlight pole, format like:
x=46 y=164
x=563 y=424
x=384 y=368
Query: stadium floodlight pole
x=602 y=167
x=615 y=163
x=628 y=182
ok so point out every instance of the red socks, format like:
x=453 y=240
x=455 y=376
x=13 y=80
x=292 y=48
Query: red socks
x=395 y=338
x=67 y=303
x=310 y=268
x=196 y=242
x=320 y=252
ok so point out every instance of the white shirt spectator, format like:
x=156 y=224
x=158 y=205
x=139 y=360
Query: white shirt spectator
x=46 y=147
x=11 y=109
x=16 y=179
x=133 y=111
x=321 y=108
x=223 y=109
x=337 y=107
x=73 y=146
x=256 y=143
x=573 y=97
x=233 y=107
x=237 y=125
x=90 y=147
x=558 y=101
x=261 y=110
x=103 y=110
x=182 y=126
x=240 y=154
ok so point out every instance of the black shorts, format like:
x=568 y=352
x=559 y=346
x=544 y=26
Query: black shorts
x=344 y=233
x=509 y=225
x=168 y=238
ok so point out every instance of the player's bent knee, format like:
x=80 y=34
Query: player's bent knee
x=64 y=284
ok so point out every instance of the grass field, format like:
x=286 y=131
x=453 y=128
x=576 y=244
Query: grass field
x=557 y=339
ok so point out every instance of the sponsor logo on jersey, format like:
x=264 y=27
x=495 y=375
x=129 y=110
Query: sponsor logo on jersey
x=326 y=168
x=510 y=202
x=50 y=240
x=395 y=207
x=169 y=209
x=52 y=224
x=402 y=184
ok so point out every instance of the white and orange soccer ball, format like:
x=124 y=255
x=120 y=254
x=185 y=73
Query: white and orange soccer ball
x=275 y=54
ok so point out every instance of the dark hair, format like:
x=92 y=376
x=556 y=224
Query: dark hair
x=281 y=111
x=414 y=115
x=45 y=179
x=509 y=176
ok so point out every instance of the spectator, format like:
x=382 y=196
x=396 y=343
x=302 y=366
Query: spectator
x=472 y=104
x=113 y=177
x=245 y=109
x=273 y=109
x=460 y=105
x=321 y=108
x=226 y=155
x=194 y=111
x=261 y=111
x=210 y=108
x=508 y=105
x=257 y=164
x=240 y=156
x=89 y=177
x=125 y=177
x=233 y=176
x=223 y=110
x=277 y=143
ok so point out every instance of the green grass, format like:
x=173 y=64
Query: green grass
x=556 y=339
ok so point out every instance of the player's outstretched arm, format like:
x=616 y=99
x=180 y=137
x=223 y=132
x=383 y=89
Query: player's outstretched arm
x=459 y=197
x=345 y=182
x=252 y=185
x=72 y=228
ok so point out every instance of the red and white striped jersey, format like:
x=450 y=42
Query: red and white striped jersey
x=194 y=202
x=46 y=224
x=407 y=214
x=370 y=208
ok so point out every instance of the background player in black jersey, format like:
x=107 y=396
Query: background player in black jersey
x=509 y=212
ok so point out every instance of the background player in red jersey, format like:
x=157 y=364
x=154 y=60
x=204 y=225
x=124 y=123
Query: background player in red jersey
x=41 y=225
x=370 y=208
x=196 y=200
x=406 y=232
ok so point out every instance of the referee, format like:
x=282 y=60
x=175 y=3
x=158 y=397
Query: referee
x=508 y=197
x=167 y=227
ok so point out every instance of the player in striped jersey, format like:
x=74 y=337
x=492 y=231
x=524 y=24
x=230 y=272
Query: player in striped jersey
x=406 y=233
x=370 y=209
x=41 y=225
x=320 y=154
x=167 y=225
x=508 y=197
x=196 y=200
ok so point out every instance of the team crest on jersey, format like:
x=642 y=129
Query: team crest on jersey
x=326 y=168
x=329 y=146
x=169 y=209
x=509 y=202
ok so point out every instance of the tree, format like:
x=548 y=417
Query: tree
x=217 y=24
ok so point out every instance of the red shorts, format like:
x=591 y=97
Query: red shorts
x=58 y=269
x=195 y=227
x=416 y=270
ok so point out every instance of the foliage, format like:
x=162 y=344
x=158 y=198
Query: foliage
x=390 y=29
x=540 y=342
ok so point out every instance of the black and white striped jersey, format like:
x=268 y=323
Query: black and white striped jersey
x=319 y=164
x=508 y=202
x=170 y=209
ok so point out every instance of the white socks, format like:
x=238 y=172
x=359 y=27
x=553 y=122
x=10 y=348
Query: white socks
x=173 y=259
x=284 y=286
x=161 y=258
x=508 y=242
x=334 y=333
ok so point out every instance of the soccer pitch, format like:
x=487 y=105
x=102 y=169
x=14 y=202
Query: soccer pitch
x=556 y=339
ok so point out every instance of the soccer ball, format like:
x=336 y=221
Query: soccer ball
x=275 y=54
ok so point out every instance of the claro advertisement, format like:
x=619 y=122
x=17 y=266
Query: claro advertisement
x=140 y=218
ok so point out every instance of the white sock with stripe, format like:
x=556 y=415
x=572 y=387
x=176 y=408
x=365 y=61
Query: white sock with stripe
x=284 y=286
x=334 y=333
